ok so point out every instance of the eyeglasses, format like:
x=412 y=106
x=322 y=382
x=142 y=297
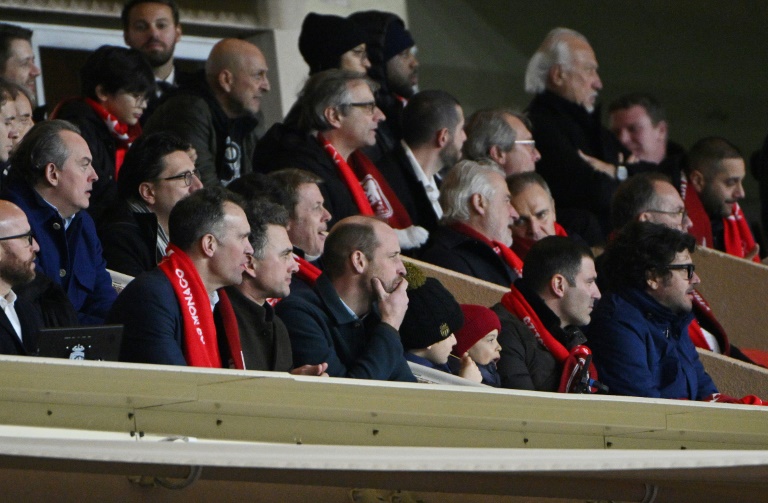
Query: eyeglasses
x=529 y=143
x=368 y=107
x=29 y=236
x=186 y=176
x=682 y=212
x=688 y=268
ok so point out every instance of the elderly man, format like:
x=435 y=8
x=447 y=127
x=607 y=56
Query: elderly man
x=638 y=330
x=17 y=59
x=504 y=136
x=156 y=174
x=176 y=314
x=152 y=27
x=19 y=320
x=351 y=318
x=51 y=180
x=220 y=119
x=580 y=159
x=711 y=190
x=475 y=235
x=555 y=297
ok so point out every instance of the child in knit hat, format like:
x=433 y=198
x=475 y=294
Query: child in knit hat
x=477 y=338
x=427 y=331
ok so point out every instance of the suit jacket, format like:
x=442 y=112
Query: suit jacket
x=31 y=322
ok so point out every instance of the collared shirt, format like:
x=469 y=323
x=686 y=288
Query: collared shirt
x=170 y=80
x=67 y=220
x=214 y=298
x=7 y=305
x=430 y=187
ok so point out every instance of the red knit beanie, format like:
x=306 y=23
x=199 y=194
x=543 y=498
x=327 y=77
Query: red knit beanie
x=478 y=322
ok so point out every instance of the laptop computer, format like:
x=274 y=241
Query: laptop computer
x=94 y=342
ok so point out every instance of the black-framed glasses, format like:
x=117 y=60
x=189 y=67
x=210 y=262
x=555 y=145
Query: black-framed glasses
x=368 y=106
x=29 y=236
x=688 y=268
x=682 y=213
x=186 y=176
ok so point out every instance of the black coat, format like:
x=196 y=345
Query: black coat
x=129 y=240
x=31 y=322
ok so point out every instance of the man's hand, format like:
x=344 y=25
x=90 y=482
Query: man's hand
x=597 y=164
x=392 y=306
x=469 y=370
x=311 y=370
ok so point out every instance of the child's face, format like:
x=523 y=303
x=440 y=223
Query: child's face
x=486 y=350
x=439 y=351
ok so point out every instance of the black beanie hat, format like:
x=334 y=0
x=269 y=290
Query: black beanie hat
x=324 y=38
x=396 y=40
x=433 y=314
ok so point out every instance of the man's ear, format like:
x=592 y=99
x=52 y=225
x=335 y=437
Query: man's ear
x=51 y=174
x=556 y=75
x=332 y=117
x=208 y=245
x=225 y=79
x=557 y=285
x=359 y=261
x=250 y=266
x=663 y=129
x=697 y=179
x=478 y=203
x=442 y=138
x=652 y=280
x=100 y=94
x=644 y=217
x=147 y=192
x=497 y=155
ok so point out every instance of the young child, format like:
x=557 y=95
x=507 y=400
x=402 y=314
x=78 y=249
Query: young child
x=477 y=338
x=427 y=331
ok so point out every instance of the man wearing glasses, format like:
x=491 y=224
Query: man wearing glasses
x=638 y=333
x=51 y=181
x=19 y=321
x=156 y=174
x=502 y=135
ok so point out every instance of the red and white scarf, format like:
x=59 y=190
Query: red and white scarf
x=123 y=134
x=737 y=236
x=507 y=255
x=201 y=347
x=521 y=245
x=701 y=309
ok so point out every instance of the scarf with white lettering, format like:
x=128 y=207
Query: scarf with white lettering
x=123 y=134
x=200 y=343
x=348 y=177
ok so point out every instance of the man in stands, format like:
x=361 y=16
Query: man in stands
x=711 y=191
x=535 y=207
x=580 y=159
x=542 y=314
x=152 y=27
x=638 y=333
x=176 y=313
x=17 y=61
x=350 y=319
x=220 y=119
x=433 y=134
x=504 y=136
x=475 y=234
x=51 y=180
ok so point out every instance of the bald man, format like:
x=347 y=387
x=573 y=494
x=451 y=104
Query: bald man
x=221 y=117
x=19 y=320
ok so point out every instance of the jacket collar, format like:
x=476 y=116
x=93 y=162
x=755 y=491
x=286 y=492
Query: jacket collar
x=654 y=311
x=568 y=338
x=333 y=303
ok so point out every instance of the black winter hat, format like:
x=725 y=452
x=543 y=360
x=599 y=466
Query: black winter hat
x=324 y=38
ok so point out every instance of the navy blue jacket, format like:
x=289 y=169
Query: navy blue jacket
x=427 y=363
x=642 y=348
x=323 y=330
x=73 y=258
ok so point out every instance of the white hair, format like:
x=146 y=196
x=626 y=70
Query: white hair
x=464 y=180
x=555 y=50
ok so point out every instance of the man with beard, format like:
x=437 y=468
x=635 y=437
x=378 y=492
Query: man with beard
x=351 y=318
x=638 y=333
x=711 y=191
x=17 y=61
x=433 y=135
x=152 y=27
x=19 y=320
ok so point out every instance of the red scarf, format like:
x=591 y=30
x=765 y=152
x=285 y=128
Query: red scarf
x=382 y=198
x=123 y=134
x=521 y=245
x=737 y=236
x=702 y=309
x=348 y=176
x=515 y=303
x=200 y=342
x=507 y=255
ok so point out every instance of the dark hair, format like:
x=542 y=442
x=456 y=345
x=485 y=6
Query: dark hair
x=518 y=182
x=706 y=154
x=145 y=161
x=326 y=89
x=290 y=179
x=126 y=13
x=9 y=33
x=8 y=91
x=199 y=214
x=262 y=213
x=634 y=196
x=116 y=69
x=553 y=255
x=258 y=186
x=651 y=105
x=41 y=145
x=346 y=238
x=427 y=113
x=640 y=249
